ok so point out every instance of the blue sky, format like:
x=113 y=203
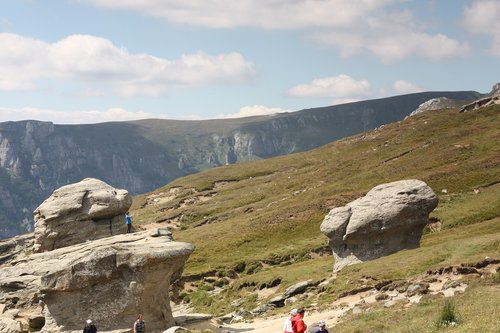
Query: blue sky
x=86 y=61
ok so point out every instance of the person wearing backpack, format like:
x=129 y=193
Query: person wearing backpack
x=89 y=327
x=298 y=324
x=139 y=325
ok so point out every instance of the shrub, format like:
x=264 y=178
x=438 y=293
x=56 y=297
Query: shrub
x=201 y=298
x=448 y=316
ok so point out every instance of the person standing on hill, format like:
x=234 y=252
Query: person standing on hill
x=298 y=325
x=139 y=325
x=128 y=222
x=89 y=327
x=287 y=326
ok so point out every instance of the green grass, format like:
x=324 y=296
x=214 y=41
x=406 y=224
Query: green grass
x=259 y=211
x=275 y=207
x=477 y=309
x=448 y=317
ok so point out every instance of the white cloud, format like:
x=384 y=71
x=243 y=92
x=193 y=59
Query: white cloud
x=483 y=17
x=89 y=59
x=77 y=117
x=352 y=27
x=254 y=110
x=405 y=87
x=391 y=37
x=276 y=14
x=341 y=89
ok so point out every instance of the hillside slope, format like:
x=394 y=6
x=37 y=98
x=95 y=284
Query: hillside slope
x=261 y=219
x=259 y=206
x=38 y=157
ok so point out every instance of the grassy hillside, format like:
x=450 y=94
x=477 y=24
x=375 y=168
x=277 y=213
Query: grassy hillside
x=262 y=218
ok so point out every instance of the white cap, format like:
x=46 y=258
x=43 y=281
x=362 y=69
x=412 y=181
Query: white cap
x=89 y=321
x=294 y=312
x=321 y=323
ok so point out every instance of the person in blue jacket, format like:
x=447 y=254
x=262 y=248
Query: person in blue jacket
x=128 y=222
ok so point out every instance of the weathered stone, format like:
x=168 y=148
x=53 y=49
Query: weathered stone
x=161 y=232
x=391 y=217
x=382 y=296
x=75 y=213
x=8 y=325
x=298 y=288
x=421 y=288
x=109 y=280
x=177 y=329
x=278 y=301
x=192 y=318
x=389 y=304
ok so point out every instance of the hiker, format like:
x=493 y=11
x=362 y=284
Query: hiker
x=321 y=327
x=287 y=326
x=128 y=222
x=139 y=325
x=298 y=324
x=89 y=328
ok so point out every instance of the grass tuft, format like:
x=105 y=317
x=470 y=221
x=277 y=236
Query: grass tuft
x=448 y=316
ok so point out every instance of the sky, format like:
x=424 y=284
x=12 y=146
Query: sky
x=89 y=61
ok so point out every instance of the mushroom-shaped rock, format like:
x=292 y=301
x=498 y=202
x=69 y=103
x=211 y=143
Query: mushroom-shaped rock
x=391 y=217
x=75 y=213
x=109 y=280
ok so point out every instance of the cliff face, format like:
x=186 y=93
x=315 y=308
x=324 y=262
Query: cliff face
x=38 y=157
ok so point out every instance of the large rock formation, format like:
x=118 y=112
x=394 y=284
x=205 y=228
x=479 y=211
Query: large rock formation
x=75 y=213
x=391 y=217
x=108 y=280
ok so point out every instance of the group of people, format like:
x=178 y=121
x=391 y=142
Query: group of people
x=139 y=326
x=295 y=323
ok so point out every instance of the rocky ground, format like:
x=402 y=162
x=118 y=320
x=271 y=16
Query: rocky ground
x=443 y=282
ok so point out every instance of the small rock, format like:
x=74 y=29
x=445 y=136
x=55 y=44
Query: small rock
x=382 y=296
x=278 y=301
x=357 y=310
x=389 y=304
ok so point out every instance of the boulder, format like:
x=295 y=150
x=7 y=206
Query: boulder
x=391 y=217
x=75 y=213
x=298 y=288
x=109 y=280
x=8 y=325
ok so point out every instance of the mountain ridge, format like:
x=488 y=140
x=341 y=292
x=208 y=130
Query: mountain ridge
x=38 y=157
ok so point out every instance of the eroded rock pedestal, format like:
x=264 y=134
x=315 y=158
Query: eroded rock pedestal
x=390 y=218
x=108 y=280
x=75 y=213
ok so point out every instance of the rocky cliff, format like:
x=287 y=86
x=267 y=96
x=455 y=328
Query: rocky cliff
x=38 y=157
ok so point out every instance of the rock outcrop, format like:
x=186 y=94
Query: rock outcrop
x=437 y=104
x=109 y=280
x=75 y=213
x=391 y=217
x=493 y=98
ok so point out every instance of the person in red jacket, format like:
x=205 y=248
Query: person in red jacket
x=298 y=324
